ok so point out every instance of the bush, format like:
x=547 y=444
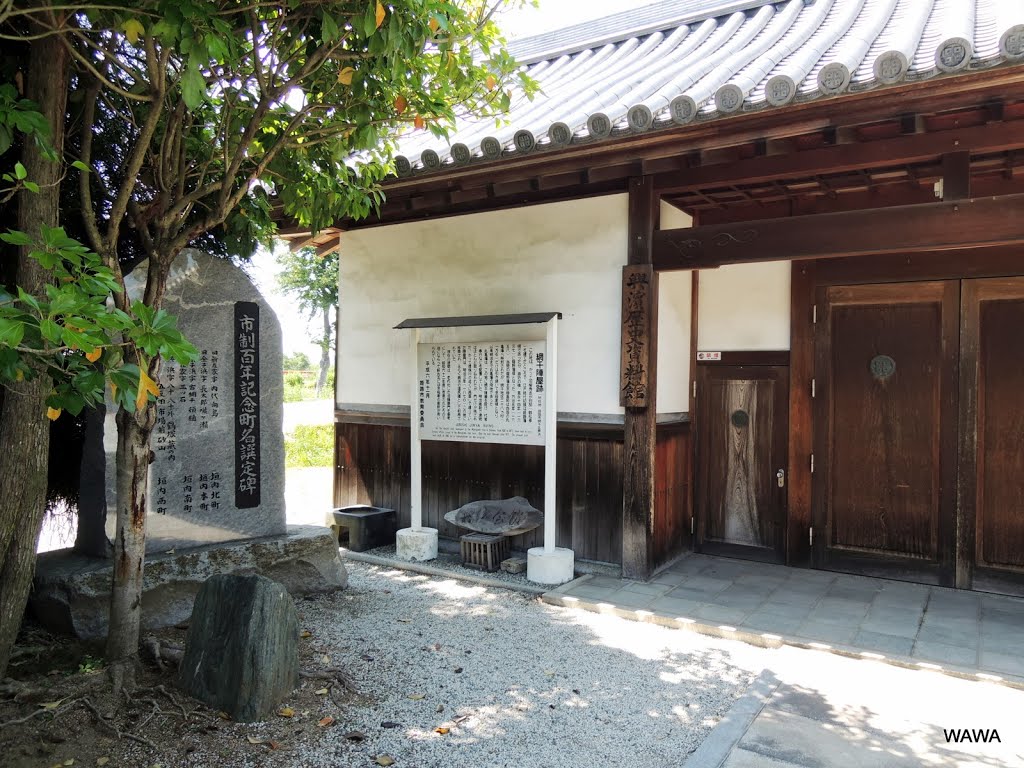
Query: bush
x=310 y=446
x=294 y=380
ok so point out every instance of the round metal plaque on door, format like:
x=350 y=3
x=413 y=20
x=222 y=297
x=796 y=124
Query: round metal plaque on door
x=740 y=418
x=882 y=367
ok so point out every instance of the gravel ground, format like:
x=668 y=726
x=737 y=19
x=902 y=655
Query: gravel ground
x=515 y=681
x=452 y=563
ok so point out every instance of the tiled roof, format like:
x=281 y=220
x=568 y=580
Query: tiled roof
x=672 y=64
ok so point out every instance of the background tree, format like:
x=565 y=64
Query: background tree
x=297 y=362
x=313 y=280
x=220 y=104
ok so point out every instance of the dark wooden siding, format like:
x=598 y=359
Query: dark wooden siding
x=372 y=467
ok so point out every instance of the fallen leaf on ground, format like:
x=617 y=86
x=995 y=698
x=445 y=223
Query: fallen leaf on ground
x=254 y=740
x=305 y=633
x=442 y=730
x=549 y=672
x=273 y=744
x=51 y=704
x=320 y=692
x=417 y=696
x=223 y=715
x=384 y=760
x=325 y=659
x=102 y=760
x=353 y=735
x=366 y=657
x=286 y=712
x=69 y=761
x=326 y=722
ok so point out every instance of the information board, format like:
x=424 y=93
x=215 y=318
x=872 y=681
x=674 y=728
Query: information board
x=482 y=392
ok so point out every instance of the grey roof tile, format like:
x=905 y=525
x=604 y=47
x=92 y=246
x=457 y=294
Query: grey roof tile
x=671 y=63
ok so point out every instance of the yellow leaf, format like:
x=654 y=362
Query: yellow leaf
x=384 y=760
x=442 y=730
x=102 y=760
x=95 y=355
x=380 y=14
x=345 y=76
x=52 y=414
x=286 y=712
x=113 y=390
x=320 y=692
x=491 y=82
x=223 y=715
x=19 y=375
x=146 y=387
x=326 y=722
x=132 y=30
x=306 y=633
x=69 y=761
x=254 y=740
x=400 y=104
x=419 y=123
x=433 y=24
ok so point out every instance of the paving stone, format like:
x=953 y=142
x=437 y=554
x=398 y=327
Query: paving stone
x=656 y=590
x=942 y=653
x=889 y=645
x=586 y=592
x=1007 y=663
x=821 y=632
x=960 y=633
x=718 y=614
x=771 y=622
x=1001 y=639
x=623 y=599
x=676 y=608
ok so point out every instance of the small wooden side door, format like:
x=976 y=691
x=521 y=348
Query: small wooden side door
x=991 y=545
x=742 y=429
x=885 y=455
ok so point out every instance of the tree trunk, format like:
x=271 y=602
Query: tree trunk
x=132 y=483
x=24 y=429
x=325 y=353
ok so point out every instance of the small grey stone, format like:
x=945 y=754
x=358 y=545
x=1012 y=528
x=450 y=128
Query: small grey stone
x=514 y=565
x=508 y=517
x=241 y=654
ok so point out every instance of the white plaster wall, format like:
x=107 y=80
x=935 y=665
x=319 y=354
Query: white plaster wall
x=564 y=257
x=744 y=307
x=674 y=294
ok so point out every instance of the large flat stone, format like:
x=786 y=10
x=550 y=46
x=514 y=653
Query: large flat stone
x=71 y=593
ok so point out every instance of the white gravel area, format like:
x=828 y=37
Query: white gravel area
x=517 y=682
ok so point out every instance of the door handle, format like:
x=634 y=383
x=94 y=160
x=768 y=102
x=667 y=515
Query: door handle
x=781 y=477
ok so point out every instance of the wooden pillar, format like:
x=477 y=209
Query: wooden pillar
x=638 y=380
x=801 y=432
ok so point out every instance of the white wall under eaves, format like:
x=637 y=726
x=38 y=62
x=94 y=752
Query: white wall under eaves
x=744 y=307
x=564 y=257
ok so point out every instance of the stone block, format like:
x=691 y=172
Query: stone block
x=514 y=565
x=71 y=593
x=503 y=517
x=241 y=654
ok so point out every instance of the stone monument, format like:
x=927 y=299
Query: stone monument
x=216 y=481
x=218 y=471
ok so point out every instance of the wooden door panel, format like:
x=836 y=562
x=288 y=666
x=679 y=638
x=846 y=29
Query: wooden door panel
x=886 y=366
x=885 y=445
x=992 y=461
x=742 y=426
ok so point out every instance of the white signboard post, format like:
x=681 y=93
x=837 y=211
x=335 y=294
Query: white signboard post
x=486 y=392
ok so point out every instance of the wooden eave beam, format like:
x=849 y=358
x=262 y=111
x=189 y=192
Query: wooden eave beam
x=843 y=158
x=974 y=223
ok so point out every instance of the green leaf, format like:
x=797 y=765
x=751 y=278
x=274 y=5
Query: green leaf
x=31 y=186
x=13 y=237
x=193 y=86
x=20 y=172
x=11 y=332
x=81 y=166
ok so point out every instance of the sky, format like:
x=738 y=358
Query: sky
x=297 y=329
